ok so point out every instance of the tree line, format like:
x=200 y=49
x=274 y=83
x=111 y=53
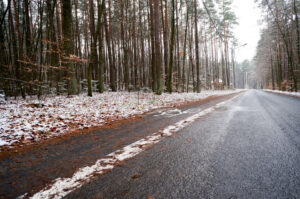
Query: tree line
x=74 y=46
x=278 y=52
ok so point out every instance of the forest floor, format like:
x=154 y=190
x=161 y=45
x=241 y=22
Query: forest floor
x=23 y=122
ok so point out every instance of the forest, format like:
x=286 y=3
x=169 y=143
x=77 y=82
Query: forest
x=149 y=99
x=75 y=46
x=278 y=52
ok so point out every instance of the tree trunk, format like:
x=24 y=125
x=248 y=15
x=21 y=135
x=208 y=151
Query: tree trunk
x=68 y=45
x=153 y=59
x=27 y=28
x=184 y=48
x=93 y=56
x=19 y=70
x=171 y=49
x=110 y=56
x=166 y=38
x=198 y=89
x=157 y=48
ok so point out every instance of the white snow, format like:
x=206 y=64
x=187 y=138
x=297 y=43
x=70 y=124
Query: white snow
x=2 y=143
x=62 y=186
x=296 y=94
x=171 y=113
x=21 y=122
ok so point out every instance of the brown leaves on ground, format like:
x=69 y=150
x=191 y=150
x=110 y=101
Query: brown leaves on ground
x=135 y=176
x=55 y=116
x=150 y=197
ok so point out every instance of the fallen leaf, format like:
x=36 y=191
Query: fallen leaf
x=150 y=197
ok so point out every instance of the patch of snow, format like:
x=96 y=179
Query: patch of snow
x=63 y=186
x=2 y=98
x=295 y=94
x=171 y=113
x=3 y=143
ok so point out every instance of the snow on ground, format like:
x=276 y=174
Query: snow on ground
x=296 y=94
x=23 y=122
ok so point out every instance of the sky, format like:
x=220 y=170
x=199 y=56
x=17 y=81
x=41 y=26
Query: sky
x=248 y=30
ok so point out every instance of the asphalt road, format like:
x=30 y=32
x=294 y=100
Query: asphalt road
x=31 y=170
x=249 y=148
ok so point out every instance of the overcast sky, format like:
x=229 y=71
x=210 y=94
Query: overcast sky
x=248 y=30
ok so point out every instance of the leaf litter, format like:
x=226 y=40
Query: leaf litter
x=27 y=121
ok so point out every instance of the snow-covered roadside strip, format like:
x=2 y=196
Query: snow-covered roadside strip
x=294 y=94
x=23 y=123
x=63 y=186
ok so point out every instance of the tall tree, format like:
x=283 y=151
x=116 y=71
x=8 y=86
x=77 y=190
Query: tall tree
x=171 y=49
x=157 y=48
x=93 y=58
x=153 y=54
x=68 y=45
x=198 y=86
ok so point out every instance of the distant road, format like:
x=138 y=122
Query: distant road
x=248 y=148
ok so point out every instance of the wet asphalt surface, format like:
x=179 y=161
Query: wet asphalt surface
x=246 y=149
x=249 y=148
x=33 y=169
